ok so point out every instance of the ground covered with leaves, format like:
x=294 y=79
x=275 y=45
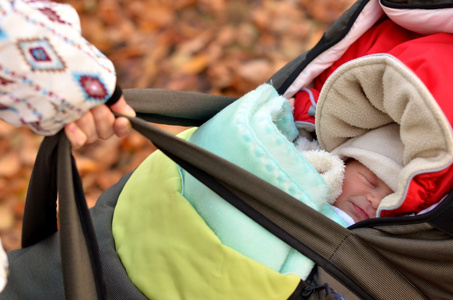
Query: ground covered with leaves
x=224 y=47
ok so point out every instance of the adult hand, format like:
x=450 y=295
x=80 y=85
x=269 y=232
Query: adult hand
x=100 y=123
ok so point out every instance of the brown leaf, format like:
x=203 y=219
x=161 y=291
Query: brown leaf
x=107 y=178
x=6 y=217
x=195 y=64
x=9 y=164
x=87 y=165
x=256 y=71
x=11 y=238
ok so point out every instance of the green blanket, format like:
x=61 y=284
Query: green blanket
x=257 y=132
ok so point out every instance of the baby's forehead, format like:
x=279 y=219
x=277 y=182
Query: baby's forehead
x=357 y=166
x=352 y=162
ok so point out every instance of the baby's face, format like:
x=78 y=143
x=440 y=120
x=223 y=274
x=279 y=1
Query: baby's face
x=362 y=192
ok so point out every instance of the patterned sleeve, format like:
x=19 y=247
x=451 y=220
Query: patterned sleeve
x=49 y=74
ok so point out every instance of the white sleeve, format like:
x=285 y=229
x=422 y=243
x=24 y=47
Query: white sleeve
x=49 y=74
x=347 y=218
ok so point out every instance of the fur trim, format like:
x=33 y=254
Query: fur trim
x=329 y=166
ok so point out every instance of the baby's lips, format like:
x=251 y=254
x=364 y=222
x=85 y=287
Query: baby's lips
x=363 y=215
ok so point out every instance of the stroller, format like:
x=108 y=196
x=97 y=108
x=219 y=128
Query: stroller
x=168 y=252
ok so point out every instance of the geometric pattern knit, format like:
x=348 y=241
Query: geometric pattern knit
x=49 y=74
x=40 y=55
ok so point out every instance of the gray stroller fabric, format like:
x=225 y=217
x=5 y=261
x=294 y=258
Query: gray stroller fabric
x=35 y=272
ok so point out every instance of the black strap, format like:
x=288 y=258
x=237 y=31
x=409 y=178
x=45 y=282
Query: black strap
x=306 y=230
x=301 y=227
x=40 y=219
x=55 y=173
x=175 y=107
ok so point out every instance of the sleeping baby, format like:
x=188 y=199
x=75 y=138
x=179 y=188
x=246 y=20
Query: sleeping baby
x=364 y=170
x=258 y=133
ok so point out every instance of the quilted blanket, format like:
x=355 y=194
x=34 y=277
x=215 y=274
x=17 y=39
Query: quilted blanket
x=257 y=132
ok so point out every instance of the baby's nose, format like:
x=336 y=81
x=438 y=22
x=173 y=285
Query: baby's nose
x=375 y=198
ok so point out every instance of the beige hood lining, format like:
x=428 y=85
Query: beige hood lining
x=376 y=90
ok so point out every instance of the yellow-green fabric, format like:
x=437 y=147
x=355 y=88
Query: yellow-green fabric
x=168 y=250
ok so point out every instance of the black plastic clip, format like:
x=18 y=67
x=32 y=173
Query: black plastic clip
x=306 y=292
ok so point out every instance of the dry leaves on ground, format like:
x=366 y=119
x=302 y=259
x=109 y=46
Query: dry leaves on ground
x=216 y=46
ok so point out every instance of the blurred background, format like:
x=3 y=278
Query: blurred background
x=225 y=47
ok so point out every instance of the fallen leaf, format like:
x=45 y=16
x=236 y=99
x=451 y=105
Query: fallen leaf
x=256 y=71
x=6 y=217
x=9 y=164
x=196 y=64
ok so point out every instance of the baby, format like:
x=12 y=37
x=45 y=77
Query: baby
x=362 y=193
x=372 y=162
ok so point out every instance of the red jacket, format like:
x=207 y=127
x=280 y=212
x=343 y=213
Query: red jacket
x=431 y=59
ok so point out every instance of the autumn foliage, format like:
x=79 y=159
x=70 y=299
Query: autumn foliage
x=211 y=46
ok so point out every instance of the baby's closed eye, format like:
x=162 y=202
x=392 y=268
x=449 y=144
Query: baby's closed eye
x=370 y=180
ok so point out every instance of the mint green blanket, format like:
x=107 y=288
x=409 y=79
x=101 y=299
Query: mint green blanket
x=257 y=132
